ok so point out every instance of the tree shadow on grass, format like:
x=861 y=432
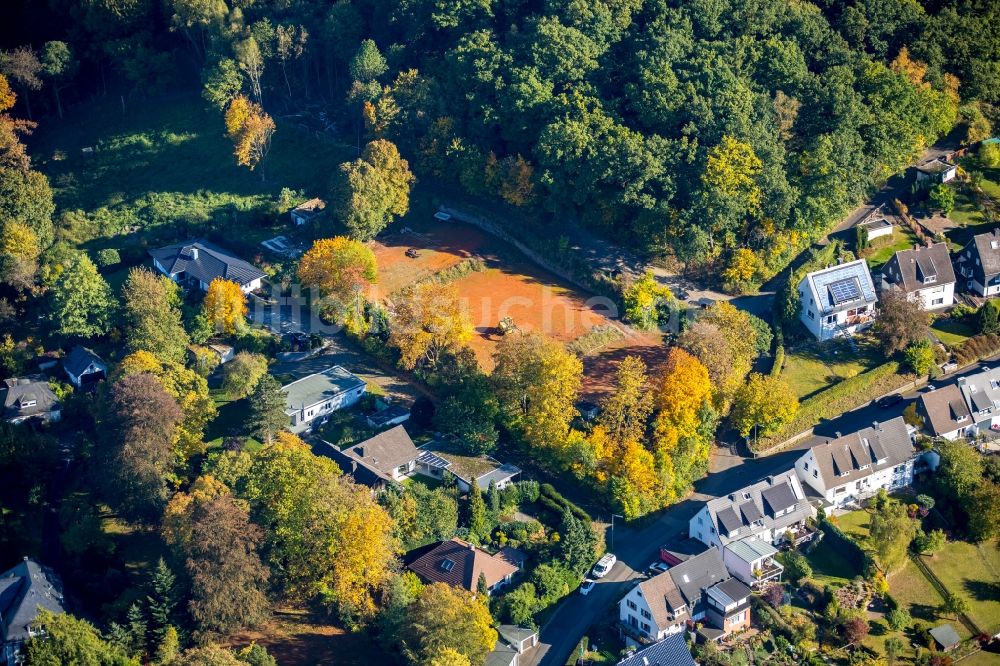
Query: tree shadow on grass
x=982 y=590
x=924 y=612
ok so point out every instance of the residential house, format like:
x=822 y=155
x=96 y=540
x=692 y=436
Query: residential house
x=512 y=642
x=727 y=609
x=723 y=609
x=225 y=353
x=856 y=466
x=979 y=264
x=936 y=171
x=307 y=212
x=24 y=590
x=981 y=392
x=84 y=368
x=879 y=227
x=310 y=401
x=444 y=457
x=30 y=398
x=654 y=608
x=671 y=651
x=766 y=510
x=198 y=262
x=924 y=274
x=839 y=300
x=387 y=414
x=387 y=457
x=946 y=413
x=460 y=563
x=751 y=560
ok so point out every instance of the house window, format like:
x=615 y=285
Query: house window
x=840 y=490
x=699 y=520
x=712 y=530
x=929 y=279
x=937 y=301
x=806 y=465
x=815 y=473
x=631 y=604
x=645 y=614
x=645 y=628
x=309 y=413
x=899 y=470
x=402 y=469
x=811 y=315
x=830 y=319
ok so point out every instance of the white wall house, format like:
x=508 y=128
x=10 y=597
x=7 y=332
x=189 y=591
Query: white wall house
x=654 y=608
x=312 y=399
x=837 y=301
x=752 y=561
x=855 y=467
x=83 y=367
x=198 y=262
x=981 y=393
x=924 y=274
x=936 y=171
x=946 y=413
x=978 y=264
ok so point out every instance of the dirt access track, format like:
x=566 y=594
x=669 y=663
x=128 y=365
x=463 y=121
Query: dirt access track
x=511 y=286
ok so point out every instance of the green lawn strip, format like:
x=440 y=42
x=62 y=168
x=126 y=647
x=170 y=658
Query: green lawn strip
x=902 y=239
x=911 y=589
x=814 y=366
x=855 y=524
x=972 y=571
x=952 y=332
x=829 y=566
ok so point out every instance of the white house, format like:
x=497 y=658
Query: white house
x=936 y=171
x=839 y=300
x=855 y=467
x=946 y=413
x=878 y=228
x=766 y=510
x=84 y=367
x=198 y=262
x=30 y=398
x=751 y=560
x=924 y=274
x=979 y=264
x=654 y=608
x=444 y=458
x=313 y=398
x=981 y=393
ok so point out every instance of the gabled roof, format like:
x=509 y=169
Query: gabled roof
x=23 y=589
x=459 y=563
x=310 y=207
x=671 y=651
x=663 y=598
x=863 y=453
x=987 y=246
x=316 y=388
x=27 y=389
x=935 y=166
x=841 y=287
x=698 y=573
x=944 y=407
x=737 y=512
x=981 y=392
x=205 y=261
x=385 y=451
x=79 y=360
x=945 y=635
x=908 y=269
x=448 y=454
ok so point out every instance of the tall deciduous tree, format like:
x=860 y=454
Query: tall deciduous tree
x=340 y=268
x=367 y=193
x=142 y=419
x=625 y=413
x=58 y=66
x=19 y=252
x=152 y=315
x=537 y=382
x=241 y=375
x=225 y=306
x=68 y=640
x=22 y=68
x=891 y=531
x=82 y=303
x=250 y=129
x=900 y=321
x=766 y=402
x=429 y=322
x=446 y=617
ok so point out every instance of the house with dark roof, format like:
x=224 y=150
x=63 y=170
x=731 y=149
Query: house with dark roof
x=30 y=398
x=198 y=262
x=838 y=300
x=460 y=563
x=855 y=467
x=307 y=211
x=671 y=651
x=84 y=368
x=981 y=393
x=309 y=401
x=945 y=413
x=727 y=609
x=24 y=589
x=924 y=274
x=766 y=512
x=387 y=457
x=512 y=643
x=936 y=171
x=978 y=264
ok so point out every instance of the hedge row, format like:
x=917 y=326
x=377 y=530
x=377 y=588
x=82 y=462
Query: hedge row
x=845 y=546
x=552 y=500
x=976 y=348
x=839 y=398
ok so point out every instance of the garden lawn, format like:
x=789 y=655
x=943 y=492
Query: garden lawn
x=972 y=571
x=965 y=212
x=902 y=239
x=911 y=589
x=829 y=566
x=855 y=524
x=814 y=366
x=951 y=331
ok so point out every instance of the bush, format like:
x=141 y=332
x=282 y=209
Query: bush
x=520 y=604
x=978 y=347
x=898 y=619
x=779 y=360
x=107 y=257
x=553 y=582
x=528 y=491
x=920 y=356
x=547 y=492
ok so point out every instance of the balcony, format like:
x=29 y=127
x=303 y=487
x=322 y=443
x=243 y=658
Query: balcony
x=766 y=571
x=799 y=534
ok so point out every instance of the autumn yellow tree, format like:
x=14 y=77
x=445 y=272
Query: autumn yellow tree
x=647 y=303
x=724 y=340
x=742 y=269
x=7 y=96
x=19 y=252
x=763 y=405
x=225 y=306
x=189 y=389
x=684 y=422
x=427 y=322
x=730 y=191
x=636 y=487
x=447 y=618
x=250 y=129
x=914 y=70
x=341 y=268
x=537 y=382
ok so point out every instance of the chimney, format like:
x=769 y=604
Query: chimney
x=194 y=253
x=875 y=424
x=360 y=450
x=837 y=434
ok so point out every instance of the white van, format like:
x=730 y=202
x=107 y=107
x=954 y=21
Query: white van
x=604 y=565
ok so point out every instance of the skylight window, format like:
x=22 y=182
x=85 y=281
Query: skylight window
x=447 y=565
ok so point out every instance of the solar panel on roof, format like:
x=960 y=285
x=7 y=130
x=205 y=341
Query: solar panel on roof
x=844 y=291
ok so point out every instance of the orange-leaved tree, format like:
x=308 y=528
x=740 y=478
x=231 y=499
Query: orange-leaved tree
x=225 y=306
x=250 y=129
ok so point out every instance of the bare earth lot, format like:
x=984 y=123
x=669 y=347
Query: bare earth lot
x=439 y=247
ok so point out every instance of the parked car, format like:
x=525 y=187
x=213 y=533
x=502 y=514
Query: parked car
x=604 y=565
x=587 y=586
x=887 y=401
x=657 y=568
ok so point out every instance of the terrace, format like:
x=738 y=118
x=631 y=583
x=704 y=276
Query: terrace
x=767 y=571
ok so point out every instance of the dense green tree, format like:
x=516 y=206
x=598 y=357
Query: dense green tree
x=368 y=63
x=267 y=409
x=577 y=543
x=161 y=602
x=369 y=192
x=478 y=518
x=68 y=640
x=82 y=303
x=444 y=616
x=152 y=315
